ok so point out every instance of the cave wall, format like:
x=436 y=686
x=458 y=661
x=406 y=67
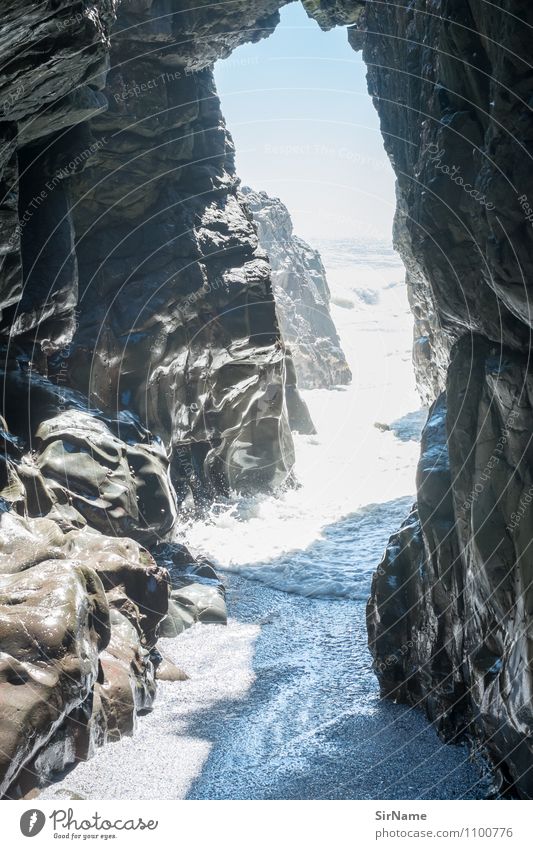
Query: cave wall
x=143 y=368
x=144 y=285
x=143 y=362
x=302 y=295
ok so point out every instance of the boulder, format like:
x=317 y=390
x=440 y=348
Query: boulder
x=302 y=297
x=79 y=619
x=54 y=622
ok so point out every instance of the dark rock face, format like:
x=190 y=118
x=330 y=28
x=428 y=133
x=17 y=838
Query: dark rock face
x=302 y=296
x=79 y=614
x=196 y=594
x=415 y=613
x=179 y=325
x=431 y=342
x=297 y=410
x=178 y=322
x=490 y=421
x=143 y=367
x=134 y=273
x=54 y=65
x=464 y=74
x=450 y=617
x=142 y=363
x=79 y=467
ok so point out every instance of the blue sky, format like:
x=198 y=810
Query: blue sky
x=306 y=130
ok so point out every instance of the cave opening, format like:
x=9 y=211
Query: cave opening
x=211 y=416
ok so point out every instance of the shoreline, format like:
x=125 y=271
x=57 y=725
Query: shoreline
x=281 y=704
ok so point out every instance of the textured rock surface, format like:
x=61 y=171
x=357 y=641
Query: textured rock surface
x=53 y=624
x=449 y=621
x=490 y=423
x=178 y=322
x=450 y=613
x=465 y=73
x=72 y=463
x=415 y=614
x=79 y=614
x=143 y=366
x=302 y=296
x=130 y=233
x=196 y=592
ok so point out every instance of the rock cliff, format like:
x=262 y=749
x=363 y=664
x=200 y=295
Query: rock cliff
x=144 y=369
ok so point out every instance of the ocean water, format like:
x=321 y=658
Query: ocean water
x=282 y=703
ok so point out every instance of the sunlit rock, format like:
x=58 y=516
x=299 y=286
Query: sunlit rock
x=54 y=621
x=79 y=617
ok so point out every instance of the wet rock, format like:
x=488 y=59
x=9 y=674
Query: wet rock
x=178 y=619
x=79 y=466
x=300 y=420
x=205 y=604
x=27 y=543
x=179 y=324
x=490 y=423
x=449 y=616
x=10 y=259
x=79 y=617
x=334 y=13
x=54 y=60
x=134 y=301
x=454 y=118
x=118 y=488
x=178 y=327
x=197 y=595
x=415 y=611
x=61 y=48
x=135 y=586
x=128 y=679
x=154 y=300
x=168 y=671
x=182 y=566
x=208 y=32
x=461 y=227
